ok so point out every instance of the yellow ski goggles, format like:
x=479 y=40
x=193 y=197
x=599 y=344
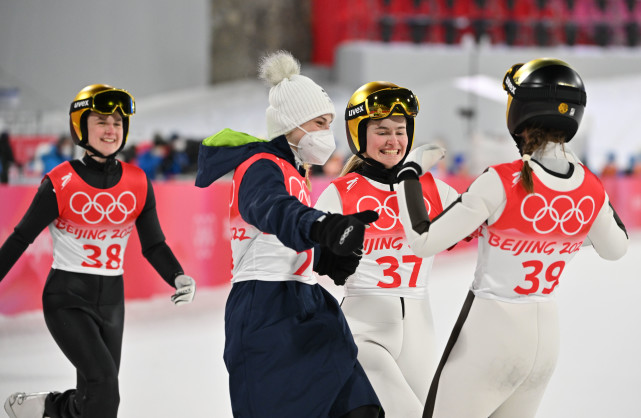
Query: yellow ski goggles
x=383 y=103
x=106 y=102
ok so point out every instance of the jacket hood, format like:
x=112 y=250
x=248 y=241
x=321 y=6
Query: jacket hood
x=224 y=151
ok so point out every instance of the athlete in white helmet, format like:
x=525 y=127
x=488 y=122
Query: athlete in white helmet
x=535 y=214
x=91 y=206
x=386 y=302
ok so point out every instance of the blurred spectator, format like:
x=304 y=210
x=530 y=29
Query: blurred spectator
x=151 y=160
x=634 y=169
x=331 y=169
x=177 y=161
x=459 y=165
x=334 y=165
x=58 y=153
x=610 y=168
x=6 y=157
x=128 y=154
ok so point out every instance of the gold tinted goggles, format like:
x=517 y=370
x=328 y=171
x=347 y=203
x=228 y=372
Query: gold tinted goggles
x=383 y=103
x=106 y=102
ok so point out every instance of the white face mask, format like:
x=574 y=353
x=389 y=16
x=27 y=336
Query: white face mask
x=315 y=147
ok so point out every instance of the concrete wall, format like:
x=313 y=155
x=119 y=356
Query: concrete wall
x=49 y=50
x=243 y=31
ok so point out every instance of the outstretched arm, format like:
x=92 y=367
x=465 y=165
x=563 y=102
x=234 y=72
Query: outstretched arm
x=484 y=198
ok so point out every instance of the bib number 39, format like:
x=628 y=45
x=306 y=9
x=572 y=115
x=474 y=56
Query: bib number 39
x=551 y=275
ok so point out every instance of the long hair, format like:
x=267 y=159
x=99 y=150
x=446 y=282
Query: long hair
x=307 y=167
x=352 y=164
x=532 y=140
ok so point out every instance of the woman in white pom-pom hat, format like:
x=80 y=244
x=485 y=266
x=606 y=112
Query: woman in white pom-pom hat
x=288 y=349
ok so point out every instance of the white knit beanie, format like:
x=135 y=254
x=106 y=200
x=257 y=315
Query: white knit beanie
x=293 y=99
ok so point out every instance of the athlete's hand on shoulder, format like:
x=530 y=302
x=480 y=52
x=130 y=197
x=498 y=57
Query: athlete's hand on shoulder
x=337 y=267
x=185 y=290
x=342 y=234
x=420 y=160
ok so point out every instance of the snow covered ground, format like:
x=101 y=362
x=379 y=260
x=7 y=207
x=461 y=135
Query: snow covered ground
x=172 y=356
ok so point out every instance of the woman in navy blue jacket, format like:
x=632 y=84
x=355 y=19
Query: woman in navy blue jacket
x=288 y=349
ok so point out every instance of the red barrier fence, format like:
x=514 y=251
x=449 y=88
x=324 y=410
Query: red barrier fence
x=195 y=223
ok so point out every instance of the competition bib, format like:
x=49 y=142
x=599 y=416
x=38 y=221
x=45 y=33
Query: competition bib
x=525 y=251
x=91 y=232
x=388 y=266
x=260 y=256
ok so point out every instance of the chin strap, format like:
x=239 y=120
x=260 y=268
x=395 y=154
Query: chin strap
x=96 y=153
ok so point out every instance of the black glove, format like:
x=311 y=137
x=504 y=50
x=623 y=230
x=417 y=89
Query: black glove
x=337 y=267
x=342 y=234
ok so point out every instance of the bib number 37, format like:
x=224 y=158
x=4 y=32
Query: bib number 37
x=538 y=275
x=394 y=265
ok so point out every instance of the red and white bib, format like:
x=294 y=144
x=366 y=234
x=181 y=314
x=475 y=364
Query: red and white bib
x=91 y=232
x=523 y=253
x=388 y=266
x=261 y=256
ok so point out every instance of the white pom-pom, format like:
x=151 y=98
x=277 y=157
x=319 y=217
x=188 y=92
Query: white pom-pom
x=278 y=66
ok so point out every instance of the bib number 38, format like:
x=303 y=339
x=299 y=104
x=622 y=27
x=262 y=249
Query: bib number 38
x=111 y=259
x=538 y=275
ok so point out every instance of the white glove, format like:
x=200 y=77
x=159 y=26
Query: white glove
x=185 y=290
x=426 y=156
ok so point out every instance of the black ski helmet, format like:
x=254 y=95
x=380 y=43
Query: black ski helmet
x=545 y=93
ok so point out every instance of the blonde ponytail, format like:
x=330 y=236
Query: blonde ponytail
x=307 y=167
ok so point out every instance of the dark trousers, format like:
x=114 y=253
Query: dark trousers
x=85 y=315
x=290 y=354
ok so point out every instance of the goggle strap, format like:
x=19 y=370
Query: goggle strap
x=81 y=104
x=552 y=92
x=355 y=111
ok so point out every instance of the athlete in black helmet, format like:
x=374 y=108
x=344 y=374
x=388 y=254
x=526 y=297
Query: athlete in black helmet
x=91 y=206
x=535 y=213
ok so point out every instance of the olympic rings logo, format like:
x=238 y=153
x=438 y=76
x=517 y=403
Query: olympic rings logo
x=94 y=210
x=387 y=210
x=561 y=212
x=299 y=190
